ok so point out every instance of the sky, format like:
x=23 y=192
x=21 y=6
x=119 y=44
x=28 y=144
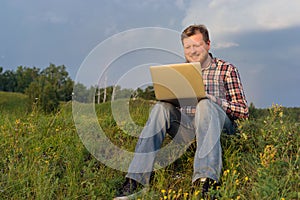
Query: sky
x=261 y=38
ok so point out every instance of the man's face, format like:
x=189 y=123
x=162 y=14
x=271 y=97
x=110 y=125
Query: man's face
x=195 y=48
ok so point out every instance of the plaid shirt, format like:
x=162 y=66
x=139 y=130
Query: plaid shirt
x=222 y=80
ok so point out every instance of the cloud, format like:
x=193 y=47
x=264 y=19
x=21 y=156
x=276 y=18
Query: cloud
x=47 y=17
x=225 y=18
x=180 y=4
x=222 y=45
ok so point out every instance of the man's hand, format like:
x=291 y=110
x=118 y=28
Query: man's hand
x=211 y=97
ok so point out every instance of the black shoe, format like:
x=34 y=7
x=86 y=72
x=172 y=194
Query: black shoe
x=207 y=185
x=129 y=190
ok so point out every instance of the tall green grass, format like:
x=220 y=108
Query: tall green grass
x=42 y=157
x=13 y=102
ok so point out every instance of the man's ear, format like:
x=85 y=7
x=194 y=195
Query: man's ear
x=208 y=42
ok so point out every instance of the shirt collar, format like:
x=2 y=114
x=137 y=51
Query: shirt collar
x=213 y=63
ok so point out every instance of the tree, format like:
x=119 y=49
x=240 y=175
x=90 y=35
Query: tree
x=1 y=79
x=81 y=93
x=49 y=98
x=52 y=85
x=147 y=93
x=122 y=93
x=8 y=82
x=24 y=76
x=60 y=80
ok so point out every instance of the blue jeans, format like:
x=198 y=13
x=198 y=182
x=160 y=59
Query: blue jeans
x=206 y=126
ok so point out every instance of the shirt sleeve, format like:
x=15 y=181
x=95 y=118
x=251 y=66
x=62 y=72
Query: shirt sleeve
x=235 y=103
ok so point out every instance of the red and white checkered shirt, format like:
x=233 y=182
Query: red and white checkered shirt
x=222 y=80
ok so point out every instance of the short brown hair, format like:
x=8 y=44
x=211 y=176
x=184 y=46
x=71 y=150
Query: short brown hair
x=194 y=29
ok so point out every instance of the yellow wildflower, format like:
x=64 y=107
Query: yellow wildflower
x=197 y=192
x=268 y=156
x=246 y=178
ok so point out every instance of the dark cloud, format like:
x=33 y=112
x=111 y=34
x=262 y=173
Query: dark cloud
x=268 y=64
x=35 y=33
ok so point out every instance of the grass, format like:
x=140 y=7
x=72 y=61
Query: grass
x=15 y=102
x=42 y=157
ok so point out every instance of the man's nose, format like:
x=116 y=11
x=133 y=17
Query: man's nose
x=193 y=49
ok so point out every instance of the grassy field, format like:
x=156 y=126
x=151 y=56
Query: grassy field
x=42 y=157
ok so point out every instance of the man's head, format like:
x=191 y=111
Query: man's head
x=196 y=43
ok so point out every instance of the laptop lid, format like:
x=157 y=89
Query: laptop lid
x=180 y=84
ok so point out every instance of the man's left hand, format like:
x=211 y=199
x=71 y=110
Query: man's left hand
x=211 y=97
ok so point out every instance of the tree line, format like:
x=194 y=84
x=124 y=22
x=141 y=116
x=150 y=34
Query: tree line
x=110 y=93
x=48 y=87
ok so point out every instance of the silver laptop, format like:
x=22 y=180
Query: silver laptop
x=180 y=84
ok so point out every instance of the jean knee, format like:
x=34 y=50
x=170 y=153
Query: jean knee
x=203 y=104
x=164 y=106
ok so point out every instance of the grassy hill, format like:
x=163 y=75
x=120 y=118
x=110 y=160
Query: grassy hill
x=42 y=157
x=10 y=101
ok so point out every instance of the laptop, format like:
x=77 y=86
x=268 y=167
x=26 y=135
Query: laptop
x=180 y=84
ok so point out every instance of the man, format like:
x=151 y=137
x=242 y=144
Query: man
x=225 y=103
